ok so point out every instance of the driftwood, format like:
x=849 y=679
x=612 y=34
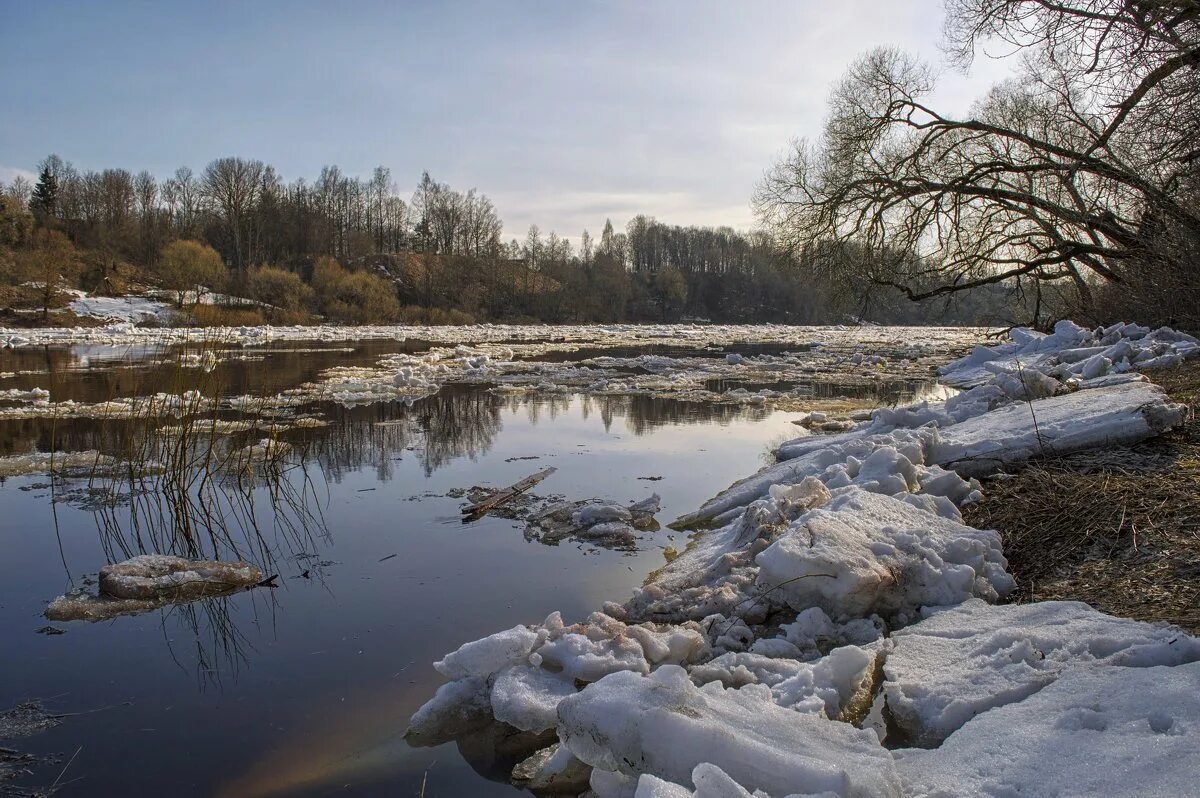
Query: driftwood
x=473 y=512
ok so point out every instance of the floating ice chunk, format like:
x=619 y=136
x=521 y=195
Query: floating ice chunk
x=611 y=532
x=527 y=697
x=599 y=513
x=863 y=553
x=150 y=576
x=710 y=781
x=149 y=582
x=646 y=507
x=665 y=726
x=44 y=462
x=1118 y=414
x=966 y=660
x=1095 y=731
x=456 y=708
x=485 y=657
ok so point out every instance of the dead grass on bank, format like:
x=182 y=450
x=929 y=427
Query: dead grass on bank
x=1118 y=528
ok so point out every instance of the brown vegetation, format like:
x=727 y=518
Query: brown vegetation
x=1118 y=528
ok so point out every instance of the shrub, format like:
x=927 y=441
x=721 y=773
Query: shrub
x=279 y=287
x=353 y=297
x=189 y=267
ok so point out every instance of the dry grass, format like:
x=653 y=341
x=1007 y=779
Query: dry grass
x=1119 y=528
x=220 y=316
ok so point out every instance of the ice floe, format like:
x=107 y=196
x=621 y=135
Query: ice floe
x=842 y=573
x=966 y=660
x=1095 y=731
x=663 y=725
x=1074 y=351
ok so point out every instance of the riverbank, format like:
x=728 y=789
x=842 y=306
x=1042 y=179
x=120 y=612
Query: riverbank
x=841 y=629
x=1118 y=528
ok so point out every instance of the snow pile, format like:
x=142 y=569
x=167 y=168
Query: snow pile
x=1072 y=351
x=665 y=726
x=1117 y=414
x=864 y=553
x=520 y=675
x=131 y=309
x=837 y=686
x=973 y=434
x=901 y=461
x=966 y=660
x=1095 y=731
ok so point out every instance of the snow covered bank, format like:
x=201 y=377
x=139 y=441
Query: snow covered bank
x=1072 y=351
x=842 y=574
x=1127 y=732
x=129 y=309
x=969 y=659
x=1013 y=412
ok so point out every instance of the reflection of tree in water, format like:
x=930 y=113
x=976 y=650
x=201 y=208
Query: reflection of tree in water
x=464 y=420
x=459 y=421
x=644 y=414
x=207 y=633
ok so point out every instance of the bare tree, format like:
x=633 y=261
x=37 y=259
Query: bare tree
x=1052 y=176
x=234 y=185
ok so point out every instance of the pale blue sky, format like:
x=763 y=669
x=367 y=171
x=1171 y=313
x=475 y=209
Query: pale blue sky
x=563 y=112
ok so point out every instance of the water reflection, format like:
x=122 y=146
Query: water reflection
x=459 y=421
x=305 y=689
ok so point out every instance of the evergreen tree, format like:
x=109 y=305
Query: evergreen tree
x=44 y=200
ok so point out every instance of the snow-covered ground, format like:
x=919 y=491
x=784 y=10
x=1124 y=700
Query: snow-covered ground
x=153 y=304
x=129 y=309
x=841 y=583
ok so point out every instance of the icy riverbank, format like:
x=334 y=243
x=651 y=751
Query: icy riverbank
x=843 y=574
x=760 y=366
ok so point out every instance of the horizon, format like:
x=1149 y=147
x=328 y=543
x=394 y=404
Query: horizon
x=714 y=103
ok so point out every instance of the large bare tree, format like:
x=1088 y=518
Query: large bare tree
x=1070 y=170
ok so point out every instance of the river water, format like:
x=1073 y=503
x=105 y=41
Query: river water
x=305 y=689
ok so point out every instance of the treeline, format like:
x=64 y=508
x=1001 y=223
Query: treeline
x=355 y=250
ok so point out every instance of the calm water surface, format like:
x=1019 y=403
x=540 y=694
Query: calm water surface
x=306 y=689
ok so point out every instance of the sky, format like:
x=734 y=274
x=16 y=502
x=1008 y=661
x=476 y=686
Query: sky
x=564 y=113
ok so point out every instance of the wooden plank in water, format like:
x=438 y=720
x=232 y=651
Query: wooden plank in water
x=504 y=496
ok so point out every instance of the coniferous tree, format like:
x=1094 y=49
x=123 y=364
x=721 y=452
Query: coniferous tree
x=44 y=200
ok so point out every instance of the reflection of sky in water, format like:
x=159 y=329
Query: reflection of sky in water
x=307 y=689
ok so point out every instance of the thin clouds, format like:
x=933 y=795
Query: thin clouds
x=564 y=114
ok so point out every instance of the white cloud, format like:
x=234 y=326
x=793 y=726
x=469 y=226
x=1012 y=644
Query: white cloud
x=11 y=173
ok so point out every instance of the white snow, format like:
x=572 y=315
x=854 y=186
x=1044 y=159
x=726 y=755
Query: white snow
x=864 y=553
x=665 y=726
x=969 y=659
x=1072 y=350
x=485 y=657
x=130 y=309
x=1095 y=731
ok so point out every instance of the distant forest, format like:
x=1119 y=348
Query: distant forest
x=354 y=250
